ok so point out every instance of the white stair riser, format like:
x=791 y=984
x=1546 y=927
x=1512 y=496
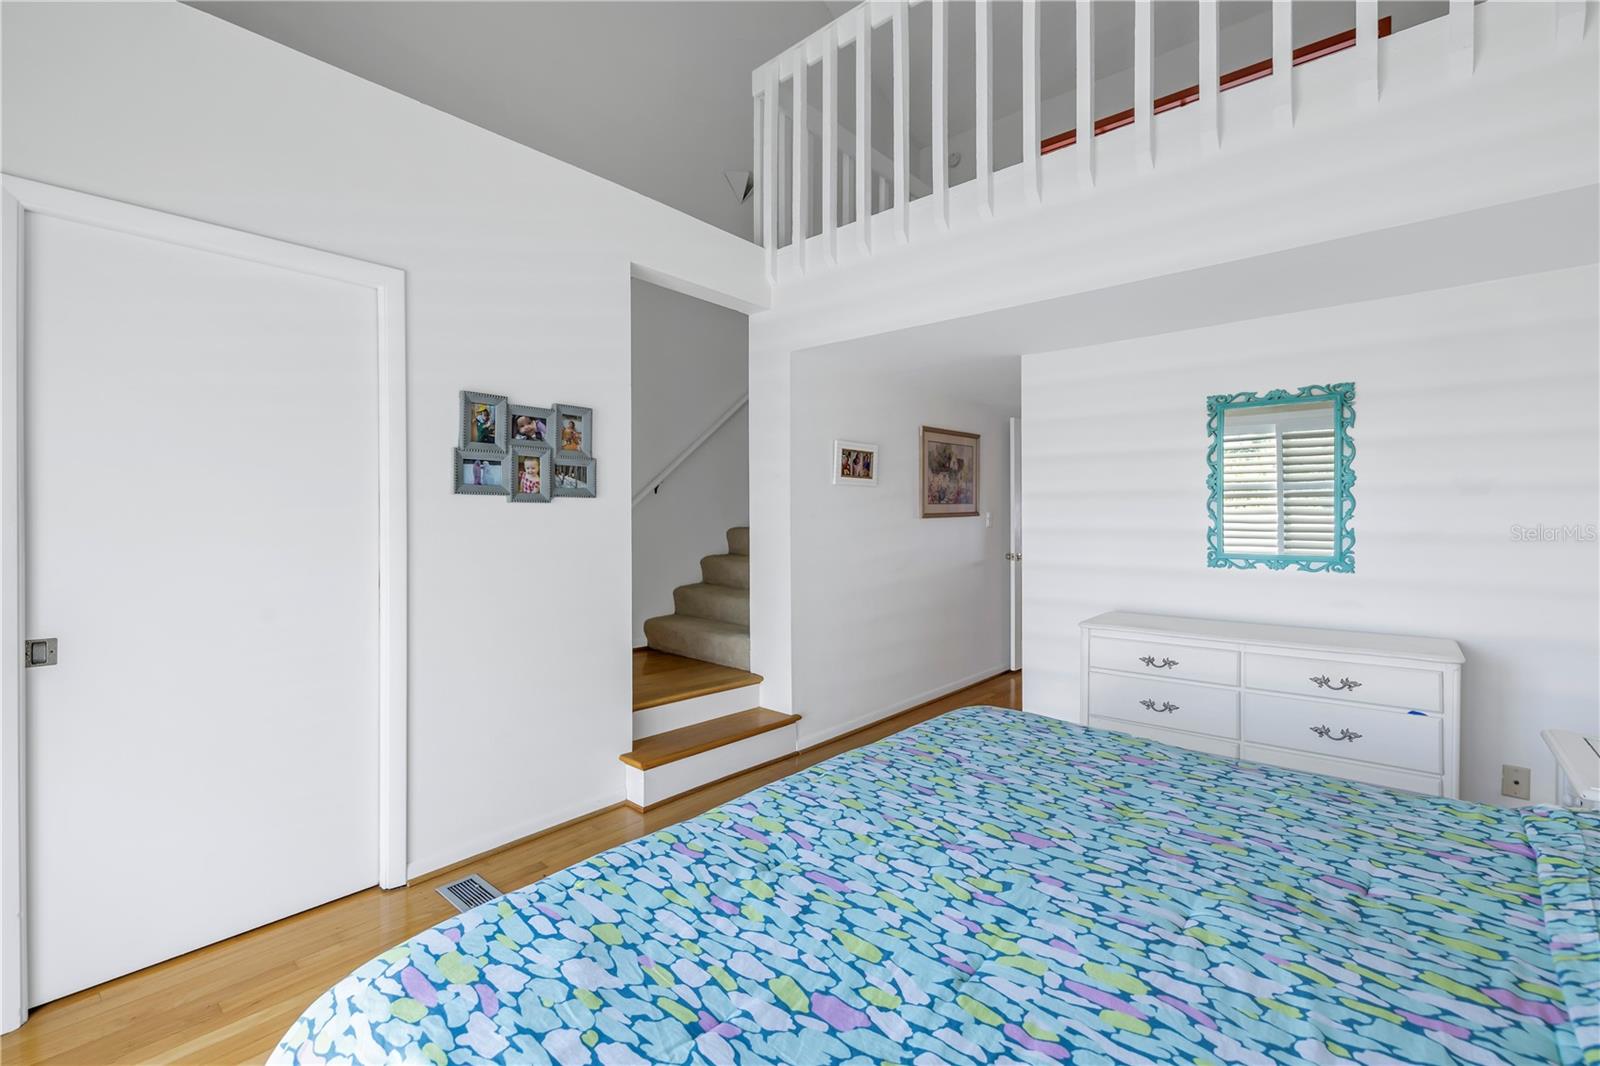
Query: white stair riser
x=646 y=788
x=676 y=715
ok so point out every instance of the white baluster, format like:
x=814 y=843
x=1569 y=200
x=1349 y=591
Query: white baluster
x=1031 y=134
x=983 y=78
x=1210 y=129
x=1463 y=27
x=1283 y=63
x=756 y=152
x=1367 y=88
x=785 y=175
x=1569 y=22
x=1085 y=94
x=864 y=127
x=1144 y=83
x=939 y=153
x=902 y=120
x=847 y=187
x=770 y=169
x=802 y=160
x=830 y=146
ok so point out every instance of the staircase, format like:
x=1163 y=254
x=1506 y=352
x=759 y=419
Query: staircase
x=696 y=718
x=711 y=619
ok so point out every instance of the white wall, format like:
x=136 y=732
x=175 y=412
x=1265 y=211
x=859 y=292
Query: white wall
x=518 y=282
x=1477 y=410
x=891 y=609
x=691 y=363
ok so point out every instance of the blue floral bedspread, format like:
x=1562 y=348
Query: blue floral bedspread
x=994 y=886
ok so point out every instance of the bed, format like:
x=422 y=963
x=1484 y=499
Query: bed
x=996 y=886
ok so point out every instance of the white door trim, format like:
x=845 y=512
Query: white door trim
x=1014 y=569
x=18 y=197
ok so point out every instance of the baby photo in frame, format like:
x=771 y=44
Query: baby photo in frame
x=531 y=425
x=483 y=422
x=574 y=477
x=479 y=474
x=530 y=472
x=574 y=431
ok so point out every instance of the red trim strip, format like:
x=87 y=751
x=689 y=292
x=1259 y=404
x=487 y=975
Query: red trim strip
x=1232 y=80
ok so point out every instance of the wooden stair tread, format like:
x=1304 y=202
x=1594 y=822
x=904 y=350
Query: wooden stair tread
x=659 y=677
x=675 y=744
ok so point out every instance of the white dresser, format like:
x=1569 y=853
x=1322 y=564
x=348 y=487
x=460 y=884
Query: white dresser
x=1365 y=706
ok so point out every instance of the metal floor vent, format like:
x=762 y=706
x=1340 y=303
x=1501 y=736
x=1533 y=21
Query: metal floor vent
x=469 y=892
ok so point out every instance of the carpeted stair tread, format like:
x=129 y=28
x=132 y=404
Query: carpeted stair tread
x=730 y=570
x=720 y=603
x=700 y=638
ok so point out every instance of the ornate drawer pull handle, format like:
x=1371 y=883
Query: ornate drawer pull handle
x=1164 y=664
x=1344 y=734
x=1324 y=682
x=1165 y=708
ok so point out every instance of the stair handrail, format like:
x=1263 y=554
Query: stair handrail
x=655 y=483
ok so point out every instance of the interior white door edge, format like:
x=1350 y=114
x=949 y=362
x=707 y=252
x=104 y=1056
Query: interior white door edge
x=1014 y=556
x=20 y=197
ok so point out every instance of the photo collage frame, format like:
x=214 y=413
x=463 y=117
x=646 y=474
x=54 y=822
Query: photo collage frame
x=526 y=454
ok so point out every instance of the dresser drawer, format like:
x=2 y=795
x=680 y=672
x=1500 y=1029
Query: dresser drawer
x=1394 y=686
x=1350 y=771
x=1192 y=741
x=1186 y=661
x=1326 y=730
x=1165 y=704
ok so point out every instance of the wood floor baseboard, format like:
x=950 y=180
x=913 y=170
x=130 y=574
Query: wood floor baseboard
x=449 y=868
x=908 y=712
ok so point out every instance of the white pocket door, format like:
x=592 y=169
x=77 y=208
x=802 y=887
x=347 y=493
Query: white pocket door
x=200 y=464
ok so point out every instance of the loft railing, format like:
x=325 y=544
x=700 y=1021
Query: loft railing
x=866 y=203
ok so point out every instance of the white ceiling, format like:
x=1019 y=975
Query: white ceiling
x=651 y=94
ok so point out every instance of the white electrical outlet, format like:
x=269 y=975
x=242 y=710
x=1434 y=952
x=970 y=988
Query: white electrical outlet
x=1515 y=782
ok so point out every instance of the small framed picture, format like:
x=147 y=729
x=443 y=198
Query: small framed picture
x=949 y=473
x=855 y=463
x=483 y=423
x=531 y=472
x=575 y=477
x=480 y=475
x=530 y=425
x=574 y=431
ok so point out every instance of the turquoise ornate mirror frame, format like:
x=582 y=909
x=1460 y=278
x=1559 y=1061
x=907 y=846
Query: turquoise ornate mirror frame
x=1280 y=479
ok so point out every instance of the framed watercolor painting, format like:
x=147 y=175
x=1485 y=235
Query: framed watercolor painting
x=949 y=481
x=855 y=463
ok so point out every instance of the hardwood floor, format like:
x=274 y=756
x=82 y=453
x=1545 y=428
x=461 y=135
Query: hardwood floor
x=662 y=678
x=230 y=1002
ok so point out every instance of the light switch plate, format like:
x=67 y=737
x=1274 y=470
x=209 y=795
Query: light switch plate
x=1515 y=782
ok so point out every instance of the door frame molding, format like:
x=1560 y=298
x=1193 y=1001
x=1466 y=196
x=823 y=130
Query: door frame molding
x=20 y=197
